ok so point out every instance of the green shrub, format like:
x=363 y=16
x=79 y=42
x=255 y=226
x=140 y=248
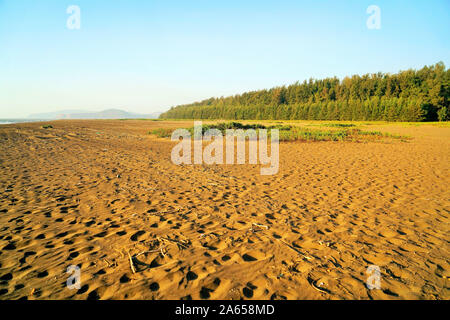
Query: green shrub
x=442 y=114
x=162 y=132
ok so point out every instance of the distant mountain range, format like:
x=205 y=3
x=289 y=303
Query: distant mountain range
x=105 y=114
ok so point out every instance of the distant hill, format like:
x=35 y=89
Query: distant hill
x=105 y=114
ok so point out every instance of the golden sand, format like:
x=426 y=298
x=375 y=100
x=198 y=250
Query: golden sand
x=104 y=195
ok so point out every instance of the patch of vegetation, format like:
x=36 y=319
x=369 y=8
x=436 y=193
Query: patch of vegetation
x=162 y=132
x=306 y=134
x=223 y=126
x=292 y=133
x=338 y=125
x=445 y=124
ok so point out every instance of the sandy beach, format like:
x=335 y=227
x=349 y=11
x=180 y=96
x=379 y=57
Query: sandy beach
x=105 y=196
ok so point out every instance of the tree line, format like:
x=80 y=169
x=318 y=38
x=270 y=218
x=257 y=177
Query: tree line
x=411 y=95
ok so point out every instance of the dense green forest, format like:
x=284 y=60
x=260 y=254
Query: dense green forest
x=412 y=95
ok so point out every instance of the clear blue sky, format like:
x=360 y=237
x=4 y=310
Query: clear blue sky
x=145 y=56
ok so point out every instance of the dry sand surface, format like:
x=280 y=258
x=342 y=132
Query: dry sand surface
x=95 y=193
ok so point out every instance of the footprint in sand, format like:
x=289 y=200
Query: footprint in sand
x=154 y=286
x=205 y=291
x=135 y=237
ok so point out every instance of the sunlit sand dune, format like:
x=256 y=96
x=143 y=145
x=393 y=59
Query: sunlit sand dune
x=105 y=196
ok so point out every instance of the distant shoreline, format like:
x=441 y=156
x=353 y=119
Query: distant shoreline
x=13 y=121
